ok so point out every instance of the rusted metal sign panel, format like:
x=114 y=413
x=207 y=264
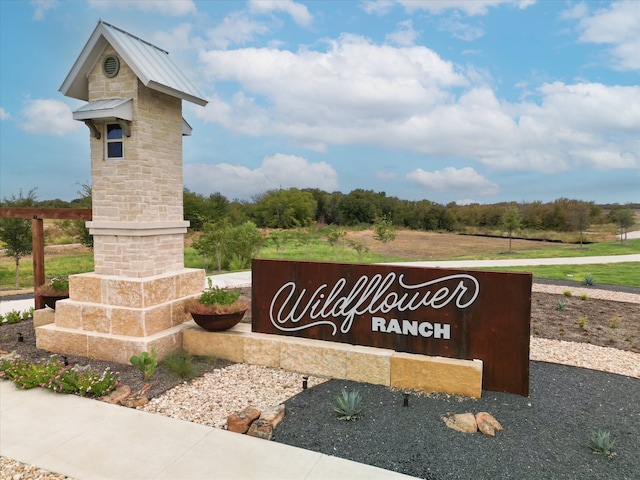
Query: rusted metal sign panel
x=431 y=311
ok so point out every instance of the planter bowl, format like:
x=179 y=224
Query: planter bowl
x=50 y=300
x=218 y=322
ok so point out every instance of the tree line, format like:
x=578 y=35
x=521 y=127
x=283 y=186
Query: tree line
x=294 y=208
x=230 y=235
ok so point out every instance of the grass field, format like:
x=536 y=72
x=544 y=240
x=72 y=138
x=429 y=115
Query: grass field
x=63 y=260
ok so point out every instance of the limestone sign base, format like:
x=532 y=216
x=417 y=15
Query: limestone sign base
x=111 y=318
x=338 y=360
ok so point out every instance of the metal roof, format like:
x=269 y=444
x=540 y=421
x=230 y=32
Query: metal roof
x=112 y=107
x=151 y=65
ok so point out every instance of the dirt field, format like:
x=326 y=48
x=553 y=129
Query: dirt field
x=415 y=245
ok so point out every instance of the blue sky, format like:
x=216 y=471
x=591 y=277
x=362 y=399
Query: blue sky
x=445 y=100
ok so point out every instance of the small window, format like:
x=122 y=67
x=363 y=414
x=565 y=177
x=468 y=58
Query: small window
x=115 y=147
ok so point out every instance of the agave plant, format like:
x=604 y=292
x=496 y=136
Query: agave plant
x=348 y=405
x=602 y=443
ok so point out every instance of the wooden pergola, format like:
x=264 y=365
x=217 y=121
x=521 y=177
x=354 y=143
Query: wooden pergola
x=37 y=215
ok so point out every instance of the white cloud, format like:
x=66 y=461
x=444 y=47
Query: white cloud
x=452 y=179
x=377 y=7
x=276 y=171
x=180 y=38
x=436 y=7
x=616 y=26
x=41 y=7
x=313 y=95
x=172 y=8
x=459 y=29
x=48 y=117
x=236 y=29
x=298 y=12
x=469 y=7
x=409 y=98
x=405 y=35
x=4 y=115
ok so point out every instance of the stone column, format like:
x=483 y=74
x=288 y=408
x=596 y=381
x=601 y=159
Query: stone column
x=134 y=298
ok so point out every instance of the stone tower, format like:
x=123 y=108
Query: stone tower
x=134 y=298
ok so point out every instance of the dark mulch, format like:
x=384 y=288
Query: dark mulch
x=161 y=381
x=544 y=434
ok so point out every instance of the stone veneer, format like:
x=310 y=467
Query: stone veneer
x=138 y=223
x=112 y=318
x=338 y=360
x=135 y=297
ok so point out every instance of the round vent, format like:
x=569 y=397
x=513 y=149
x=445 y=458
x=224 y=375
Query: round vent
x=111 y=66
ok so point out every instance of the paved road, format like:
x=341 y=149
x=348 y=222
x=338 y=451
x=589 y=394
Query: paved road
x=524 y=262
x=243 y=279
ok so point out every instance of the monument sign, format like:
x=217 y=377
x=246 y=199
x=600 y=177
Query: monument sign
x=430 y=311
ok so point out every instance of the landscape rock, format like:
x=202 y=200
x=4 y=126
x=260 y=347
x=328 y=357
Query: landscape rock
x=134 y=401
x=273 y=415
x=487 y=424
x=261 y=429
x=117 y=395
x=239 y=422
x=461 y=422
x=145 y=388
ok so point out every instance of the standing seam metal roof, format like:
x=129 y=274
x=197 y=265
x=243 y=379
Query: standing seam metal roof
x=151 y=65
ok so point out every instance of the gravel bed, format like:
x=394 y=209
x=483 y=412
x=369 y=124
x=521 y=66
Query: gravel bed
x=210 y=399
x=627 y=295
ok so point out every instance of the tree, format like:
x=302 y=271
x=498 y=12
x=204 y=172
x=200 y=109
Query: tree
x=199 y=210
x=16 y=232
x=623 y=218
x=244 y=243
x=511 y=220
x=358 y=207
x=78 y=228
x=384 y=232
x=579 y=217
x=285 y=209
x=213 y=240
x=334 y=235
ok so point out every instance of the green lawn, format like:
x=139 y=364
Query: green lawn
x=318 y=249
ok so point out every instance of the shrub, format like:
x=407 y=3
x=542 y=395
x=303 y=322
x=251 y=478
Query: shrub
x=54 y=375
x=85 y=383
x=56 y=287
x=584 y=296
x=613 y=323
x=13 y=316
x=216 y=301
x=588 y=280
x=348 y=405
x=218 y=296
x=582 y=322
x=567 y=293
x=146 y=363
x=182 y=364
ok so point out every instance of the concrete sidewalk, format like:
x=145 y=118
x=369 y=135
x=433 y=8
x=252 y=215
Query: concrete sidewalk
x=88 y=439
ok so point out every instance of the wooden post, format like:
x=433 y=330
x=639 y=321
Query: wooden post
x=37 y=247
x=37 y=233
